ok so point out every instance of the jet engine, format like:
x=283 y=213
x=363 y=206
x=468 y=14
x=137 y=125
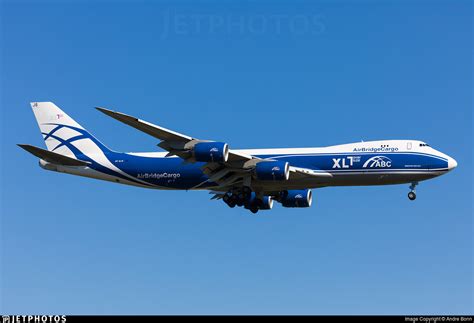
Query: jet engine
x=296 y=198
x=216 y=152
x=254 y=204
x=266 y=203
x=272 y=171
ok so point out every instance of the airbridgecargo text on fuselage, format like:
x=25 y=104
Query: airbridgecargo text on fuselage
x=375 y=149
x=159 y=175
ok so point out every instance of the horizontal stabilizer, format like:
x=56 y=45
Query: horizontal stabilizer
x=53 y=157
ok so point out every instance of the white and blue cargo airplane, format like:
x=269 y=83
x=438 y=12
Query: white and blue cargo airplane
x=253 y=178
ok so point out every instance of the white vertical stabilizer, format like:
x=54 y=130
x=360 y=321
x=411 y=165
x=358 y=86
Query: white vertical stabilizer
x=60 y=131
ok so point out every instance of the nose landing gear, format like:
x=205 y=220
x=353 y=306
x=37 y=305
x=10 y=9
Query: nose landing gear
x=412 y=194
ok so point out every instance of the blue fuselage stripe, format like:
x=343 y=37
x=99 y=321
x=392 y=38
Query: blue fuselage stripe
x=174 y=174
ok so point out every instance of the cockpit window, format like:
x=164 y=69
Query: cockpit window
x=424 y=145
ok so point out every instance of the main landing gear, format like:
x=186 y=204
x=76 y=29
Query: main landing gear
x=243 y=197
x=412 y=194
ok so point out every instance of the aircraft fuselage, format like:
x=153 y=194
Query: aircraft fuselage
x=356 y=164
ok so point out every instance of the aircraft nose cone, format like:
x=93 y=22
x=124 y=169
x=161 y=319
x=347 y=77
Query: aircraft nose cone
x=452 y=163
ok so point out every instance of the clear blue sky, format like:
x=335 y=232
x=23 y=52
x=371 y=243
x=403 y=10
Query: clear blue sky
x=254 y=74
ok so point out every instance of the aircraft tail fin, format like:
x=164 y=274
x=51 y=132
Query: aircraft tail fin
x=62 y=134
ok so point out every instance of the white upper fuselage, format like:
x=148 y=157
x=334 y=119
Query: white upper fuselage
x=401 y=146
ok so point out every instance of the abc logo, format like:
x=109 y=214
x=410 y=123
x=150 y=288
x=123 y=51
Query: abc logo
x=378 y=162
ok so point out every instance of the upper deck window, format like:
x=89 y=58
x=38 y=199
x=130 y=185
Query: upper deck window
x=424 y=145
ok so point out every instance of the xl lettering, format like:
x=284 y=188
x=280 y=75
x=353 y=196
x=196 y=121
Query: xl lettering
x=343 y=162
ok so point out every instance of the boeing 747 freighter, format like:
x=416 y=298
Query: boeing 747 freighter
x=254 y=178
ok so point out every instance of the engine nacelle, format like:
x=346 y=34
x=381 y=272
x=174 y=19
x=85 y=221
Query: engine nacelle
x=272 y=171
x=266 y=203
x=297 y=198
x=216 y=152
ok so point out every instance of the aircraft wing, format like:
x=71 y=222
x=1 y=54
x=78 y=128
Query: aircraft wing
x=171 y=141
x=237 y=169
x=298 y=172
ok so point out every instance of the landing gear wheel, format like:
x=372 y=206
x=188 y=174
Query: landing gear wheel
x=254 y=209
x=246 y=192
x=412 y=194
x=230 y=200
